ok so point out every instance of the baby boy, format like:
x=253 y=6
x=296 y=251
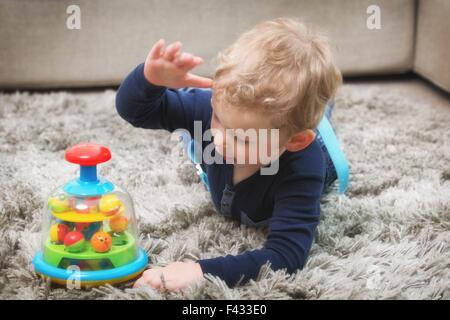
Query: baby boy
x=270 y=90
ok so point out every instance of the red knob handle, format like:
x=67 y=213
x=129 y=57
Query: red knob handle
x=87 y=154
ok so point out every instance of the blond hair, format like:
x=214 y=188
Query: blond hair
x=281 y=67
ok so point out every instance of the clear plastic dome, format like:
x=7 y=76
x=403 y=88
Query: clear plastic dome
x=89 y=226
x=91 y=232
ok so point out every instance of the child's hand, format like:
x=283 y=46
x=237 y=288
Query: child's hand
x=169 y=67
x=177 y=275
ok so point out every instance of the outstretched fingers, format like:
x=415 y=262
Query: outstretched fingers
x=157 y=50
x=172 y=50
x=187 y=61
x=169 y=67
x=193 y=80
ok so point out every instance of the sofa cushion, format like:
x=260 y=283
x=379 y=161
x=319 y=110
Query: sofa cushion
x=39 y=51
x=432 y=58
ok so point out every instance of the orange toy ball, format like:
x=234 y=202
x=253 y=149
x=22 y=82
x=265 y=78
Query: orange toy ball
x=101 y=242
x=118 y=224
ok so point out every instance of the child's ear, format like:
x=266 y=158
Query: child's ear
x=300 y=140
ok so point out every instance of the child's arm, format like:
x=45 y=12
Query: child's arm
x=290 y=235
x=147 y=97
x=291 y=232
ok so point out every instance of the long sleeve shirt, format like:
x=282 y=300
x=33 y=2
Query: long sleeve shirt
x=287 y=203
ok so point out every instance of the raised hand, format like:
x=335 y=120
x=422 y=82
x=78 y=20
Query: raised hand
x=169 y=67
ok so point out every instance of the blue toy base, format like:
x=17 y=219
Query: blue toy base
x=91 y=278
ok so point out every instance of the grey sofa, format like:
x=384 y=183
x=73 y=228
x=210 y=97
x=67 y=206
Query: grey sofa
x=39 y=51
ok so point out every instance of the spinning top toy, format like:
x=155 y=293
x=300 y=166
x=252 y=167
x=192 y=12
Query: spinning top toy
x=73 y=231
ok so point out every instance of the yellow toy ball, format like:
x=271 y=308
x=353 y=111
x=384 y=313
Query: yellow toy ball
x=58 y=232
x=109 y=204
x=59 y=204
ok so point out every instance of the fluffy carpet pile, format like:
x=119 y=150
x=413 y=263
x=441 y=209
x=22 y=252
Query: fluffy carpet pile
x=387 y=238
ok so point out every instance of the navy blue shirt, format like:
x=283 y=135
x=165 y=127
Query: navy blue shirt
x=286 y=202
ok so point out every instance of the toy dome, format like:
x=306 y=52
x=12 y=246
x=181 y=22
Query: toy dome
x=89 y=229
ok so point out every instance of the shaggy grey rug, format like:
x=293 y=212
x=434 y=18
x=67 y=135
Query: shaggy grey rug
x=387 y=238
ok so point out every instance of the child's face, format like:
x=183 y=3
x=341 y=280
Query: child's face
x=245 y=136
